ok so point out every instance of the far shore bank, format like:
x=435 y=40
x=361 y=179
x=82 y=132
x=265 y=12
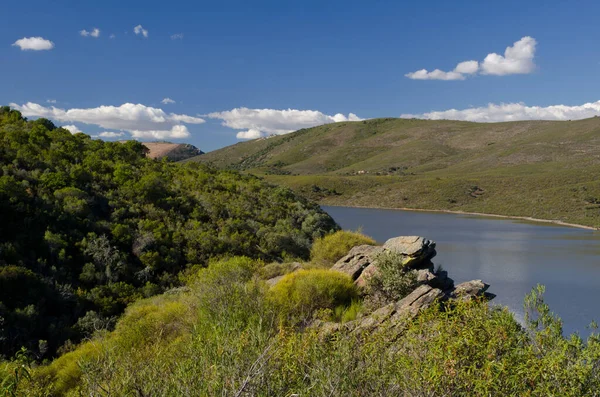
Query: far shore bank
x=525 y=218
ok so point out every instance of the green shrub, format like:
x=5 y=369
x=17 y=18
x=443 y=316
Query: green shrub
x=392 y=281
x=344 y=314
x=329 y=249
x=299 y=295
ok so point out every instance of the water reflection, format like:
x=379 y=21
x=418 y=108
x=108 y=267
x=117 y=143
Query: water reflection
x=512 y=256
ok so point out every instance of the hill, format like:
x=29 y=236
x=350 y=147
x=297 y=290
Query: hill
x=172 y=151
x=88 y=227
x=539 y=169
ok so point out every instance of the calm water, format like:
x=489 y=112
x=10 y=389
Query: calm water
x=510 y=255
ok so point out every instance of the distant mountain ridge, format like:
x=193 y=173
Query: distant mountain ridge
x=539 y=169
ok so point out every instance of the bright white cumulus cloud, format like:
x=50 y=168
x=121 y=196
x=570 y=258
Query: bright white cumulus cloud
x=167 y=101
x=513 y=112
x=139 y=30
x=517 y=59
x=139 y=120
x=33 y=44
x=258 y=123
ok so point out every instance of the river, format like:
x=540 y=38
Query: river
x=510 y=255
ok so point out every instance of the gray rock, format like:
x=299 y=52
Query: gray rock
x=399 y=313
x=357 y=260
x=471 y=289
x=418 y=251
x=376 y=318
x=425 y=276
x=362 y=281
x=421 y=298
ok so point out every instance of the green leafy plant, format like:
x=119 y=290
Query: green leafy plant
x=297 y=296
x=392 y=281
x=329 y=249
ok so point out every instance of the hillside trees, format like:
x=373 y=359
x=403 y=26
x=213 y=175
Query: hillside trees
x=88 y=226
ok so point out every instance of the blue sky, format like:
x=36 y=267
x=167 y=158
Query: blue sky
x=260 y=68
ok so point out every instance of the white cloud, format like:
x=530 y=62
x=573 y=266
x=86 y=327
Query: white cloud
x=112 y=36
x=178 y=131
x=140 y=30
x=51 y=100
x=517 y=59
x=436 y=74
x=261 y=122
x=94 y=33
x=177 y=36
x=514 y=111
x=167 y=101
x=72 y=129
x=34 y=44
x=467 y=67
x=110 y=134
x=252 y=133
x=338 y=118
x=139 y=120
x=185 y=118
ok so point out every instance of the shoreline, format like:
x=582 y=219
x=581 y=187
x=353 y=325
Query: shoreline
x=525 y=218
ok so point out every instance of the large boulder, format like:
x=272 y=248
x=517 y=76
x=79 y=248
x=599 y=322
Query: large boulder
x=357 y=260
x=471 y=289
x=417 y=251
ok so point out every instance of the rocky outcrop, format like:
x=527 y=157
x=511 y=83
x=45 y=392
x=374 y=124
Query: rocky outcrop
x=433 y=287
x=357 y=260
x=405 y=309
x=416 y=253
x=471 y=289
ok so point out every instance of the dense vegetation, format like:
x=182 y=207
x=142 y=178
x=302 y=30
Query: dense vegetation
x=88 y=227
x=540 y=169
x=224 y=335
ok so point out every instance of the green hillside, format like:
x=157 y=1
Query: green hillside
x=88 y=227
x=540 y=169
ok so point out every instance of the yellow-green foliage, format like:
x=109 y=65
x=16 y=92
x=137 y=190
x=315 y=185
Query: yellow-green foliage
x=329 y=249
x=229 y=343
x=64 y=373
x=147 y=322
x=298 y=295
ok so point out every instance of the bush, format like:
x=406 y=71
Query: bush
x=331 y=248
x=299 y=295
x=392 y=281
